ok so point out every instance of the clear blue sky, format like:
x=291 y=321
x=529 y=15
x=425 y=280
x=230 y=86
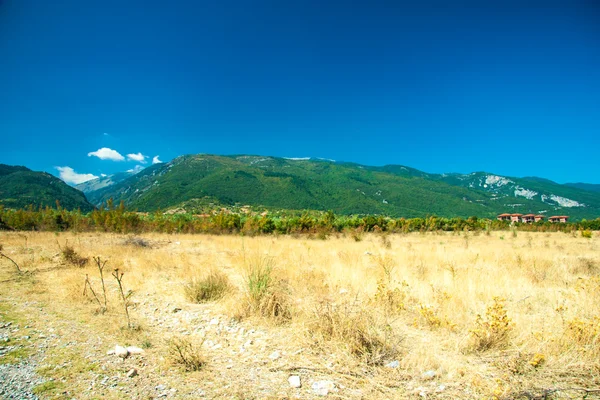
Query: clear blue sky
x=442 y=86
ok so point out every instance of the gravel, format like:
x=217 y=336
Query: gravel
x=18 y=380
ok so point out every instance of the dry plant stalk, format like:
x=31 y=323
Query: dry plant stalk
x=119 y=277
x=19 y=271
x=100 y=266
x=87 y=285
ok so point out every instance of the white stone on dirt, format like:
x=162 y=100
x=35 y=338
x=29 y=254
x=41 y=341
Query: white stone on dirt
x=294 y=381
x=121 y=351
x=428 y=375
x=132 y=372
x=322 y=388
x=393 y=364
x=135 y=350
x=274 y=355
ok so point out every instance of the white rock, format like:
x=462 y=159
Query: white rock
x=343 y=291
x=322 y=388
x=294 y=381
x=121 y=351
x=274 y=355
x=393 y=364
x=428 y=375
x=214 y=321
x=132 y=372
x=135 y=350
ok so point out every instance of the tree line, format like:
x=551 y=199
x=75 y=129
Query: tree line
x=116 y=219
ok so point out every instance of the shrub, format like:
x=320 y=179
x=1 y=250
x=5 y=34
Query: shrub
x=211 y=287
x=494 y=330
x=136 y=241
x=267 y=296
x=364 y=336
x=72 y=257
x=185 y=353
x=586 y=234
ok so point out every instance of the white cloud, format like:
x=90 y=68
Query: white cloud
x=68 y=175
x=139 y=157
x=107 y=154
x=106 y=134
x=155 y=160
x=103 y=175
x=135 y=169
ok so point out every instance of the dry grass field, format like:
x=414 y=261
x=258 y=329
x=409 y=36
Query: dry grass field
x=504 y=315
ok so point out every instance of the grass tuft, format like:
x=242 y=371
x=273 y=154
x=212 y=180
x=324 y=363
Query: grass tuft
x=364 y=336
x=211 y=287
x=182 y=351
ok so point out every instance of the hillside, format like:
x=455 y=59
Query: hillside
x=21 y=187
x=585 y=186
x=345 y=188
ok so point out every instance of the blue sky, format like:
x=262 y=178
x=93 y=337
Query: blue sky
x=442 y=86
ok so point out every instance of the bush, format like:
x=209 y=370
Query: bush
x=72 y=257
x=494 y=330
x=586 y=234
x=267 y=296
x=364 y=336
x=183 y=352
x=209 y=288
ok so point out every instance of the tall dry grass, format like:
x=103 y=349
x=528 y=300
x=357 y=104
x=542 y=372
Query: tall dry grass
x=494 y=312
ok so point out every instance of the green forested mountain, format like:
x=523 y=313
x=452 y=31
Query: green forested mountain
x=345 y=188
x=585 y=186
x=21 y=187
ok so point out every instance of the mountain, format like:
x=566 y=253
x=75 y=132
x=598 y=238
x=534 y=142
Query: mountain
x=590 y=187
x=102 y=182
x=345 y=188
x=21 y=187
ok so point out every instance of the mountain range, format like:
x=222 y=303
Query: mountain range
x=21 y=187
x=345 y=188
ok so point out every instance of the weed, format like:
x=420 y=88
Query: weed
x=136 y=241
x=393 y=300
x=586 y=234
x=357 y=234
x=494 y=330
x=185 y=353
x=100 y=264
x=267 y=296
x=583 y=331
x=70 y=256
x=364 y=336
x=430 y=316
x=584 y=266
x=385 y=241
x=537 y=360
x=211 y=287
x=125 y=297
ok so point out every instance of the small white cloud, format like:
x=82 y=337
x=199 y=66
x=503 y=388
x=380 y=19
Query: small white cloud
x=139 y=157
x=135 y=169
x=106 y=134
x=155 y=160
x=68 y=175
x=107 y=154
x=103 y=175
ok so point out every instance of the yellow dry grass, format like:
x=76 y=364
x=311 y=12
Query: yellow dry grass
x=465 y=316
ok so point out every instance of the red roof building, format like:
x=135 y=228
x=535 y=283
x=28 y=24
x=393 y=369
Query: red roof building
x=503 y=217
x=558 y=218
